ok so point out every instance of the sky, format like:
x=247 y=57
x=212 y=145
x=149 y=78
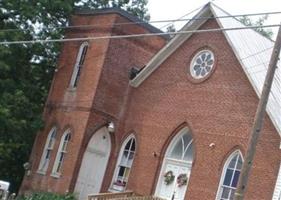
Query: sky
x=174 y=9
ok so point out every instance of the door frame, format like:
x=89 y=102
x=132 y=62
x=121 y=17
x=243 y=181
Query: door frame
x=165 y=160
x=109 y=136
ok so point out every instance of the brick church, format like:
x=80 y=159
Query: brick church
x=161 y=116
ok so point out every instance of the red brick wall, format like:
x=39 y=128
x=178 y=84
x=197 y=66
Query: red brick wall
x=68 y=107
x=219 y=110
x=100 y=96
x=113 y=90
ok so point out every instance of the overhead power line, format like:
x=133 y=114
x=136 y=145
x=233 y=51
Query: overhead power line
x=133 y=35
x=170 y=23
x=151 y=22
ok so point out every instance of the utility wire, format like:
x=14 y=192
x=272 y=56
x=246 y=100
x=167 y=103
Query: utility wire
x=133 y=35
x=157 y=21
x=181 y=17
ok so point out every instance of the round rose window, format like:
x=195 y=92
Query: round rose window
x=202 y=64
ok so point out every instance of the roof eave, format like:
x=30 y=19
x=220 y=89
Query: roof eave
x=171 y=46
x=121 y=12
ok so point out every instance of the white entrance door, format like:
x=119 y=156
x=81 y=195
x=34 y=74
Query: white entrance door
x=173 y=191
x=177 y=161
x=93 y=165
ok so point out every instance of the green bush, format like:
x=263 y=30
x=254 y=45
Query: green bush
x=47 y=196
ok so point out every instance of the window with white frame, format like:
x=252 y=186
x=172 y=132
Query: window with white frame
x=61 y=153
x=79 y=64
x=202 y=64
x=124 y=164
x=182 y=149
x=46 y=155
x=230 y=176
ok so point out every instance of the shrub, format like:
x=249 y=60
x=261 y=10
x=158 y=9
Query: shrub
x=47 y=196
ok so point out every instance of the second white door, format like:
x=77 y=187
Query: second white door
x=93 y=165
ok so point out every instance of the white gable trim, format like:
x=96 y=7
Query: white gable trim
x=171 y=46
x=244 y=43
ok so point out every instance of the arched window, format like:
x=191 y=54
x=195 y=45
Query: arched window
x=181 y=148
x=176 y=167
x=61 y=153
x=46 y=155
x=79 y=64
x=124 y=164
x=230 y=176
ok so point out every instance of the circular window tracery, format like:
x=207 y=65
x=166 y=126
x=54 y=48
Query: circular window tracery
x=202 y=64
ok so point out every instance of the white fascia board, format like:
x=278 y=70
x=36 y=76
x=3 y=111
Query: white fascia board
x=171 y=46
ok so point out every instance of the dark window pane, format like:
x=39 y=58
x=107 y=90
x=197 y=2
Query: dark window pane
x=198 y=72
x=196 y=67
x=210 y=62
x=61 y=157
x=235 y=179
x=227 y=177
x=133 y=146
x=66 y=137
x=83 y=55
x=121 y=171
x=53 y=134
x=203 y=56
x=203 y=72
x=58 y=169
x=48 y=154
x=199 y=61
x=208 y=68
x=127 y=147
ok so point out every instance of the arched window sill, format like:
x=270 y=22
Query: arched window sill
x=71 y=89
x=55 y=175
x=112 y=190
x=41 y=172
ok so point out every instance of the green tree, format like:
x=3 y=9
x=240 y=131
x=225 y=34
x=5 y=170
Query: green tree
x=27 y=70
x=171 y=28
x=248 y=22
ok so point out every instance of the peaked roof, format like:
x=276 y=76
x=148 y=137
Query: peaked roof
x=252 y=50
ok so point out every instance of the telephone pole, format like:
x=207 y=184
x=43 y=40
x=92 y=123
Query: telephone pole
x=258 y=122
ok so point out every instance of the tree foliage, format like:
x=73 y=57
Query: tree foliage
x=27 y=70
x=265 y=32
